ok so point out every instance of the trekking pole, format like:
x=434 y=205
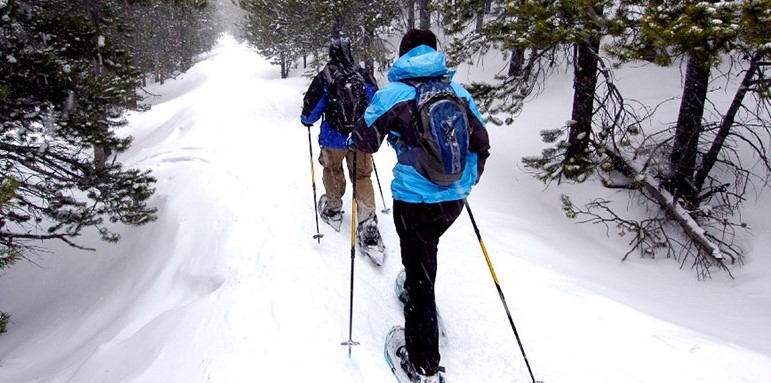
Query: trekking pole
x=498 y=286
x=350 y=342
x=385 y=209
x=318 y=235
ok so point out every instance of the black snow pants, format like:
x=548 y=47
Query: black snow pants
x=419 y=226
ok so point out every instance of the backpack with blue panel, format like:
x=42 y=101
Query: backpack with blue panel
x=443 y=131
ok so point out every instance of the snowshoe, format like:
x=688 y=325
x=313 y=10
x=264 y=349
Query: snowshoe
x=333 y=218
x=395 y=353
x=370 y=242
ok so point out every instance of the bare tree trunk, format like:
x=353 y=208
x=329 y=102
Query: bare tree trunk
x=485 y=7
x=410 y=14
x=686 y=141
x=481 y=17
x=725 y=126
x=284 y=66
x=100 y=152
x=425 y=14
x=584 y=85
x=369 y=49
x=100 y=156
x=516 y=62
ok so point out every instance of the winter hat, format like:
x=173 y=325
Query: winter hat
x=340 y=52
x=415 y=37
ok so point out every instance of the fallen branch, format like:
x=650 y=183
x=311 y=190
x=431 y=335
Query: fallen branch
x=706 y=248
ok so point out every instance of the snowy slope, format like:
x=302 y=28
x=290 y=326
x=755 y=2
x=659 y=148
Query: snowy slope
x=229 y=285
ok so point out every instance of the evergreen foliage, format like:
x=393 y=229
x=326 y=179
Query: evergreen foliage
x=165 y=36
x=4 y=318
x=603 y=137
x=544 y=28
x=270 y=28
x=703 y=33
x=668 y=29
x=70 y=71
x=9 y=254
x=68 y=85
x=285 y=30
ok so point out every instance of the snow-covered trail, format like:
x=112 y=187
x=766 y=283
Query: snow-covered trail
x=290 y=295
x=229 y=286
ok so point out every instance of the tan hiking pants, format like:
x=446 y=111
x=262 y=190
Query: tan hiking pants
x=334 y=180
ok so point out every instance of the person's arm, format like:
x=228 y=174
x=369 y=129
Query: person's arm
x=391 y=109
x=314 y=101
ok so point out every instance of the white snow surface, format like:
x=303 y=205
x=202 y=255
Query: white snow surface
x=229 y=286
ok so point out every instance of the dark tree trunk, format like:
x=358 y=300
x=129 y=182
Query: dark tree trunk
x=425 y=14
x=725 y=126
x=584 y=84
x=100 y=156
x=369 y=39
x=685 y=146
x=284 y=66
x=517 y=62
x=481 y=17
x=410 y=14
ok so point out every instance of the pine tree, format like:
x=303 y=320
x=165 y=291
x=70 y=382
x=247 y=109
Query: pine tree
x=701 y=33
x=66 y=85
x=543 y=28
x=285 y=30
x=270 y=28
x=165 y=36
x=70 y=71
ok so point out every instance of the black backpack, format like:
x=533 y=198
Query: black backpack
x=444 y=131
x=346 y=98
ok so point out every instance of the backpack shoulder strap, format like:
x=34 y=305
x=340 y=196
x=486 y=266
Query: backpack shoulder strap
x=328 y=75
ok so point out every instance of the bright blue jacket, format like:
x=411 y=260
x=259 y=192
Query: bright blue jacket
x=393 y=114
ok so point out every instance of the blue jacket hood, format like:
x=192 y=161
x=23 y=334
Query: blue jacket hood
x=421 y=61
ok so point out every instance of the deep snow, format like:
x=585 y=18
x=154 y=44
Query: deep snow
x=229 y=285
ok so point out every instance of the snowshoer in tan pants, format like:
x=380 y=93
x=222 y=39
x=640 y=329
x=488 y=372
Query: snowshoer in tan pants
x=338 y=95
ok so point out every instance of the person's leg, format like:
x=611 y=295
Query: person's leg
x=365 y=194
x=333 y=177
x=419 y=227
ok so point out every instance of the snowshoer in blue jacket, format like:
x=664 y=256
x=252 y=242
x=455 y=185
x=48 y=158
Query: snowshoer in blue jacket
x=423 y=210
x=316 y=104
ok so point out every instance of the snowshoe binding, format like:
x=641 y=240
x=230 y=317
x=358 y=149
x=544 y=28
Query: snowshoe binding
x=370 y=242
